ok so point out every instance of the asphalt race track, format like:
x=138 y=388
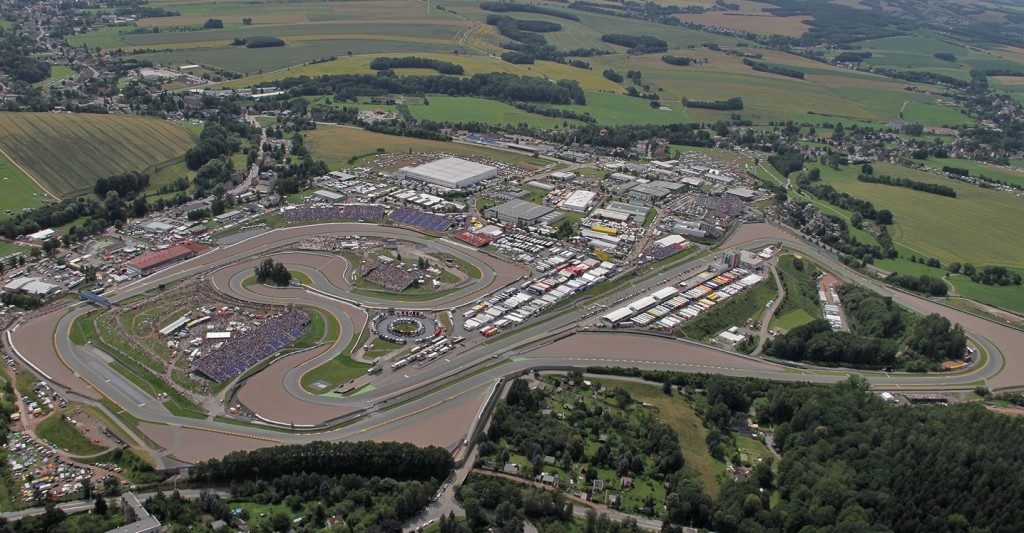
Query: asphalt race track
x=424 y=404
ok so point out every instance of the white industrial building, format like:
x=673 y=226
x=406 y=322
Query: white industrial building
x=579 y=201
x=450 y=172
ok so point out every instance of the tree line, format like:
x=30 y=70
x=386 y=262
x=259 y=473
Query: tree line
x=399 y=461
x=505 y=7
x=774 y=69
x=931 y=188
x=442 y=67
x=732 y=104
x=679 y=61
x=636 y=44
x=129 y=183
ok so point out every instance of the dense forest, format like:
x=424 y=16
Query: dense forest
x=879 y=329
x=852 y=462
x=401 y=461
x=637 y=44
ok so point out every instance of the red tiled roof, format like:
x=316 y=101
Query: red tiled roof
x=175 y=252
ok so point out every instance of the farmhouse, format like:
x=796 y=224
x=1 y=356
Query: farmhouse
x=148 y=263
x=450 y=172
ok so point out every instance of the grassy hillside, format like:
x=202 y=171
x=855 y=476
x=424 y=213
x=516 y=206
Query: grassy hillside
x=975 y=227
x=337 y=144
x=68 y=152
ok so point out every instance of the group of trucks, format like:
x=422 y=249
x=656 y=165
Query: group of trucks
x=427 y=351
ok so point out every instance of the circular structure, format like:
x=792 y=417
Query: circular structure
x=406 y=327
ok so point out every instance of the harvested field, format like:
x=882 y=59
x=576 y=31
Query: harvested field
x=759 y=23
x=67 y=153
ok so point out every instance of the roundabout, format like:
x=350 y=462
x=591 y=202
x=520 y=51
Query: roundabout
x=436 y=401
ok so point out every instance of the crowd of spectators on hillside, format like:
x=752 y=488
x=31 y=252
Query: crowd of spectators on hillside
x=387 y=276
x=362 y=212
x=241 y=352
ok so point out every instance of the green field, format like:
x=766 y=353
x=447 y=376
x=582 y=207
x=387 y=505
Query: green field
x=1010 y=297
x=800 y=305
x=19 y=191
x=1013 y=175
x=68 y=152
x=467 y=109
x=57 y=73
x=59 y=431
x=615 y=109
x=975 y=227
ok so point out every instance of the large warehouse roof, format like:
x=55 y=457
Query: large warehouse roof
x=522 y=210
x=452 y=172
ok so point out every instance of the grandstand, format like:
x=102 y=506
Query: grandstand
x=414 y=217
x=240 y=353
x=666 y=251
x=362 y=212
x=476 y=239
x=311 y=213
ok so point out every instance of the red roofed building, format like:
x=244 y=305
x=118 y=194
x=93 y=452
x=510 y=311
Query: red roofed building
x=148 y=263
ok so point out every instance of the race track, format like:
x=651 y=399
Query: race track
x=427 y=405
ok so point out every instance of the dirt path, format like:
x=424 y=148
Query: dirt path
x=30 y=176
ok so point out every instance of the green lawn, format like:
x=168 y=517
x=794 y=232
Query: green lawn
x=616 y=109
x=59 y=431
x=20 y=191
x=468 y=109
x=1013 y=176
x=1010 y=297
x=801 y=302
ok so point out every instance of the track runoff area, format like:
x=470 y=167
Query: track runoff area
x=430 y=390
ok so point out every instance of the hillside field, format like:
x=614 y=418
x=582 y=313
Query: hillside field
x=336 y=145
x=69 y=152
x=978 y=226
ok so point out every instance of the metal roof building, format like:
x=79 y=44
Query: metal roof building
x=518 y=212
x=451 y=172
x=579 y=201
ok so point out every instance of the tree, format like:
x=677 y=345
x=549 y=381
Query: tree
x=100 y=507
x=247 y=21
x=884 y=216
x=953 y=267
x=666 y=388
